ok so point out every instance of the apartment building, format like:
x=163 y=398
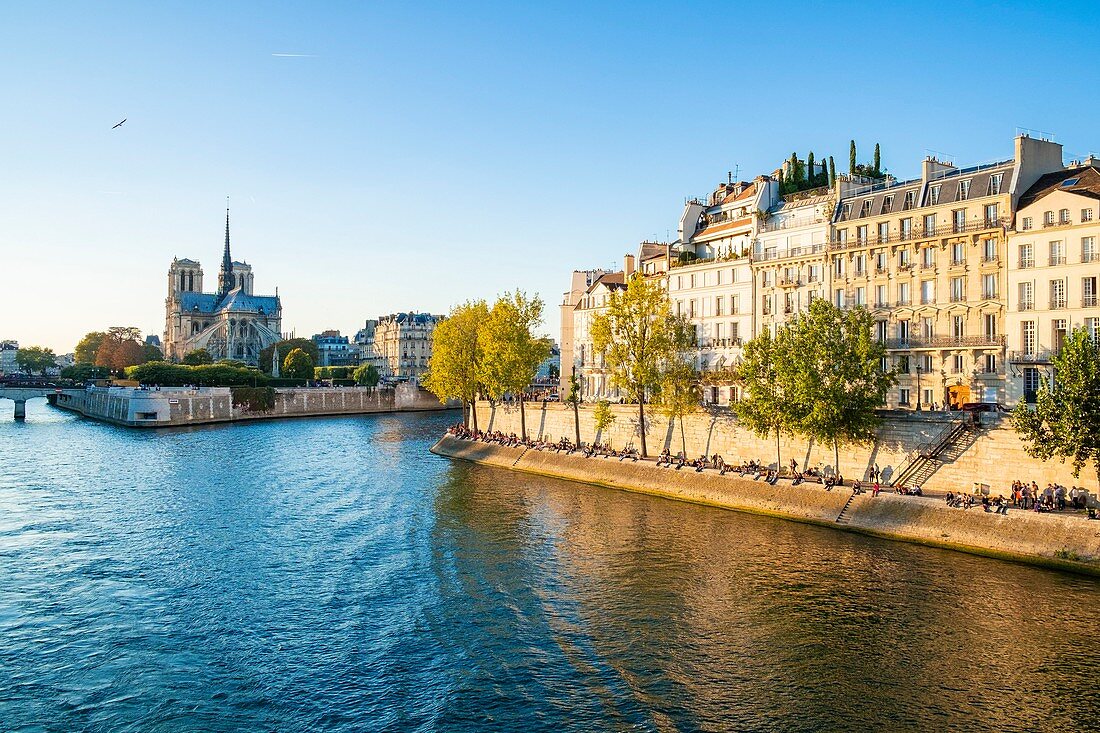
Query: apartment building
x=579 y=283
x=591 y=368
x=1053 y=269
x=790 y=257
x=928 y=258
x=710 y=282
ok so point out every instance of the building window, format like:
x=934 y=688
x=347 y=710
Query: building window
x=995 y=183
x=989 y=250
x=718 y=305
x=964 y=190
x=1057 y=253
x=1027 y=256
x=958 y=289
x=929 y=225
x=958 y=253
x=927 y=328
x=989 y=285
x=861 y=233
x=1088 y=249
x=861 y=296
x=1027 y=337
x=880 y=261
x=1088 y=292
x=838 y=265
x=1057 y=294
x=958 y=327
x=880 y=296
x=989 y=326
x=1048 y=218
x=958 y=220
x=1092 y=326
x=909 y=198
x=1026 y=223
x=884 y=232
x=903 y=396
x=925 y=363
x=903 y=334
x=927 y=292
x=934 y=195
x=957 y=364
x=1063 y=216
x=1031 y=385
x=865 y=210
x=990 y=364
x=1086 y=215
x=907 y=228
x=880 y=331
x=860 y=263
x=1027 y=297
x=903 y=293
x=847 y=211
x=842 y=236
x=928 y=257
x=887 y=204
x=992 y=215
x=839 y=298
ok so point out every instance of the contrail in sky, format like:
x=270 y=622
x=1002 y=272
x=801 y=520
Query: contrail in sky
x=295 y=55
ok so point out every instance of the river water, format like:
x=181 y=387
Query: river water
x=332 y=575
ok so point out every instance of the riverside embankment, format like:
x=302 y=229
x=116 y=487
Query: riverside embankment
x=1053 y=540
x=178 y=406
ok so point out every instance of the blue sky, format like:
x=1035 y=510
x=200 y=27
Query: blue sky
x=421 y=154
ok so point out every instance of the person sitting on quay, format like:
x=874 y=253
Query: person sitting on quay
x=857 y=487
x=665 y=459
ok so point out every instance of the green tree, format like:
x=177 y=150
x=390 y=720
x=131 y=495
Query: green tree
x=455 y=369
x=679 y=394
x=637 y=336
x=284 y=348
x=832 y=172
x=768 y=383
x=1065 y=423
x=852 y=157
x=512 y=353
x=86 y=349
x=35 y=359
x=298 y=365
x=602 y=417
x=877 y=163
x=149 y=352
x=810 y=168
x=366 y=375
x=573 y=397
x=198 y=357
x=840 y=382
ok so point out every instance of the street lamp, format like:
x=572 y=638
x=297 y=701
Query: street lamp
x=919 y=370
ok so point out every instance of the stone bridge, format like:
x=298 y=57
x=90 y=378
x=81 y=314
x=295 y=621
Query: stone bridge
x=20 y=395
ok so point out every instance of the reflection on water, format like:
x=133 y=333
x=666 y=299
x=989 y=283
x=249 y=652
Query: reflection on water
x=331 y=575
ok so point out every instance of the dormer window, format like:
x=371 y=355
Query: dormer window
x=865 y=210
x=995 y=183
x=934 y=195
x=847 y=211
x=887 y=204
x=964 y=190
x=908 y=201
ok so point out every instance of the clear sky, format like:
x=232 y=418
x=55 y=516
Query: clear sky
x=409 y=156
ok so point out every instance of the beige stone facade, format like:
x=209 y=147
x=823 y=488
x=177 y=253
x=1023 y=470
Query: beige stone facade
x=402 y=345
x=1054 y=269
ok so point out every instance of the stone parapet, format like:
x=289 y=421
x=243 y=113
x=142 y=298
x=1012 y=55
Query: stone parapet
x=1054 y=540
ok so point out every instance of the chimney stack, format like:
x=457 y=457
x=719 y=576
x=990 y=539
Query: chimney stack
x=628 y=266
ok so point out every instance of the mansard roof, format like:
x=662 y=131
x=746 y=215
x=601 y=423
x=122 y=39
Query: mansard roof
x=1087 y=184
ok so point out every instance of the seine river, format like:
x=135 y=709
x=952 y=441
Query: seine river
x=332 y=575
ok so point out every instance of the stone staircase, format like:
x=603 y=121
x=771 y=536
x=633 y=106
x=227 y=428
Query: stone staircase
x=843 y=518
x=951 y=442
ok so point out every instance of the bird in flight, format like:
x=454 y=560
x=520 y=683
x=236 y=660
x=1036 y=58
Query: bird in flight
x=120 y=124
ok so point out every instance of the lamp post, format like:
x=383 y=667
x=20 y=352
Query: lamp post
x=919 y=370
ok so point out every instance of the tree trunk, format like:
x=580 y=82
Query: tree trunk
x=683 y=438
x=473 y=412
x=778 y=457
x=522 y=420
x=836 y=457
x=465 y=414
x=577 y=420
x=641 y=424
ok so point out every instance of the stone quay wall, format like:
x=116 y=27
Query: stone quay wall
x=993 y=455
x=168 y=407
x=1053 y=540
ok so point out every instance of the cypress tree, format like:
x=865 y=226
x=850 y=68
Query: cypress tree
x=852 y=157
x=878 y=160
x=832 y=172
x=811 y=174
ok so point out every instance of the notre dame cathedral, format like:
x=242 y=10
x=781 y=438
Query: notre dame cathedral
x=231 y=323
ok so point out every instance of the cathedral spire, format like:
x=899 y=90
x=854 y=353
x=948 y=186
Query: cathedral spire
x=225 y=277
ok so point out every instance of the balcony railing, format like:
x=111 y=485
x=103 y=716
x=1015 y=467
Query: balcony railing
x=943 y=230
x=789 y=281
x=928 y=265
x=1057 y=303
x=958 y=297
x=1088 y=301
x=808 y=249
x=1026 y=264
x=1037 y=356
x=958 y=262
x=1057 y=260
x=990 y=259
x=1090 y=257
x=717 y=343
x=933 y=342
x=1026 y=305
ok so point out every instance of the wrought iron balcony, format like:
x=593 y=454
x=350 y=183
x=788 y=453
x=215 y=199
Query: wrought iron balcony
x=942 y=342
x=1037 y=356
